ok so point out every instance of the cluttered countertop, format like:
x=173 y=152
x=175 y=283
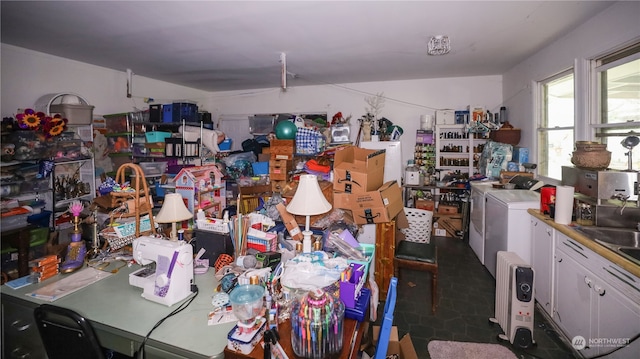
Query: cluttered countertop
x=570 y=231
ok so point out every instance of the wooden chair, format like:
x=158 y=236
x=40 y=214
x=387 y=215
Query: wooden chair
x=417 y=251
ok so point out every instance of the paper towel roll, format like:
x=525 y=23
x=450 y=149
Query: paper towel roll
x=564 y=204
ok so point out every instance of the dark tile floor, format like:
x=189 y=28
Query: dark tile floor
x=466 y=294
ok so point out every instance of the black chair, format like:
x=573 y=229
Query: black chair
x=418 y=250
x=66 y=334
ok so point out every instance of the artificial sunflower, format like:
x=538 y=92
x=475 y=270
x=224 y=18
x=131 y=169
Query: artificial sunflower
x=53 y=126
x=55 y=130
x=29 y=120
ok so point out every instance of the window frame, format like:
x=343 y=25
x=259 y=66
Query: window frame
x=541 y=108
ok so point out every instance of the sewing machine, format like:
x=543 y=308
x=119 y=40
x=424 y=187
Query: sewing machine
x=171 y=281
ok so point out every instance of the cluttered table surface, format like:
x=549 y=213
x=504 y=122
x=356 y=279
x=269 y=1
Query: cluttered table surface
x=122 y=317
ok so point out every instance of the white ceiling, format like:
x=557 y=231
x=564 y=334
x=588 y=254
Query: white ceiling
x=232 y=45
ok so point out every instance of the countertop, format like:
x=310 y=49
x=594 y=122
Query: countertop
x=607 y=253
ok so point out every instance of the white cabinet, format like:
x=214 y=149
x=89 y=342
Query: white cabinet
x=573 y=296
x=457 y=150
x=595 y=299
x=542 y=253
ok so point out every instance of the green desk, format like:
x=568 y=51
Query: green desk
x=122 y=318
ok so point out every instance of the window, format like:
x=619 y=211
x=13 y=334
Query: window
x=618 y=89
x=556 y=127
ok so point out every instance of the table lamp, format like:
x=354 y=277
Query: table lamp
x=308 y=201
x=173 y=210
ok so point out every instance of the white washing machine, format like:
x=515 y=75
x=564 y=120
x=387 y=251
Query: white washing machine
x=479 y=189
x=508 y=224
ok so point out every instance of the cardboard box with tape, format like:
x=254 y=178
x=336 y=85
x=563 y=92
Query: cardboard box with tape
x=378 y=206
x=358 y=170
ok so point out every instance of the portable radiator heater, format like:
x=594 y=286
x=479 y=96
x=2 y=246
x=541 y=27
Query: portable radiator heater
x=514 y=299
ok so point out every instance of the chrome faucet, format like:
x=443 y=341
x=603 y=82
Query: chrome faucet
x=621 y=197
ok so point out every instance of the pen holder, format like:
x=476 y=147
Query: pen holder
x=317 y=321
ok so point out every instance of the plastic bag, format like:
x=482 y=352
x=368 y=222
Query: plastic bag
x=306 y=273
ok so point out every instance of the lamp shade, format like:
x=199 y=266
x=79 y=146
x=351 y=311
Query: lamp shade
x=173 y=210
x=309 y=199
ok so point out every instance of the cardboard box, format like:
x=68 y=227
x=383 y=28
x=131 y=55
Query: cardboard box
x=289 y=222
x=424 y=136
x=445 y=117
x=447 y=225
x=282 y=149
x=379 y=206
x=358 y=170
x=402 y=347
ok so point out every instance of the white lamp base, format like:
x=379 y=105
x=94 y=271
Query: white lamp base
x=306 y=241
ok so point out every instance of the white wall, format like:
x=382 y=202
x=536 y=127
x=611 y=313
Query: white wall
x=405 y=101
x=27 y=75
x=617 y=25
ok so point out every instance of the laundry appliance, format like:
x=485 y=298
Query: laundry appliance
x=508 y=224
x=479 y=189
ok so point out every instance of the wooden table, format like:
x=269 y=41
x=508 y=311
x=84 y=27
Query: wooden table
x=352 y=336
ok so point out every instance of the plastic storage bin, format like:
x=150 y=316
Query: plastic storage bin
x=157 y=136
x=153 y=168
x=75 y=114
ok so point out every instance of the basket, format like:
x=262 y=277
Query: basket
x=213 y=225
x=124 y=234
x=420 y=223
x=507 y=134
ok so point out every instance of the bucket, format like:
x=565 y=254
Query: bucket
x=426 y=122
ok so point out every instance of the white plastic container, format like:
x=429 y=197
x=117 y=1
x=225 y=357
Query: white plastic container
x=71 y=106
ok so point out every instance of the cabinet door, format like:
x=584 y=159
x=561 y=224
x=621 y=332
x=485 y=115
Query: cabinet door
x=618 y=319
x=542 y=261
x=573 y=292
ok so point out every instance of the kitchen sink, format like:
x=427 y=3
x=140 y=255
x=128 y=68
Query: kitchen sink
x=624 y=241
x=631 y=252
x=622 y=237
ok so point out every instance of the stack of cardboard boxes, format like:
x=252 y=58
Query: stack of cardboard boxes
x=358 y=186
